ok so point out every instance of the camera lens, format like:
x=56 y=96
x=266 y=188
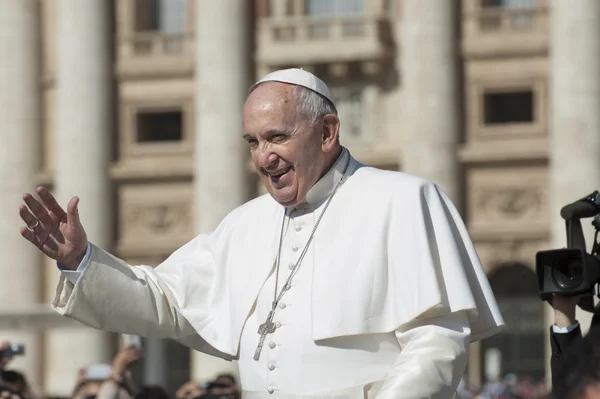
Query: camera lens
x=568 y=273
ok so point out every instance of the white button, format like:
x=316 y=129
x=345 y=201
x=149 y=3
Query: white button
x=271 y=367
x=282 y=305
x=272 y=345
x=295 y=248
x=270 y=390
x=278 y=324
x=292 y=265
x=298 y=228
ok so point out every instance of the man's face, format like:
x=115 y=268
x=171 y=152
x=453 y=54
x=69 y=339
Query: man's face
x=287 y=148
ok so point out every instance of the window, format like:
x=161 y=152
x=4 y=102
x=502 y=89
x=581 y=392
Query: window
x=159 y=126
x=509 y=3
x=166 y=16
x=334 y=7
x=521 y=13
x=508 y=107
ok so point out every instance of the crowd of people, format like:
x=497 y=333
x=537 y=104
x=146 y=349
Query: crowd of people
x=114 y=381
x=510 y=387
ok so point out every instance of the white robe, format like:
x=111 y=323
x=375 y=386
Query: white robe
x=391 y=247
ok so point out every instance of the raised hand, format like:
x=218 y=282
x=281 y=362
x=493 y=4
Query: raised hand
x=58 y=234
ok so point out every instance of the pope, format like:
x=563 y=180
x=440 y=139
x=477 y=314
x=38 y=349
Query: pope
x=343 y=281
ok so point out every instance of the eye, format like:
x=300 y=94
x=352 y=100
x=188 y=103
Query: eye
x=278 y=138
x=252 y=142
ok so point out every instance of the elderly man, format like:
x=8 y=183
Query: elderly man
x=343 y=281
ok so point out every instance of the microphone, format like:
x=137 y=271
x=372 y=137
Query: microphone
x=584 y=208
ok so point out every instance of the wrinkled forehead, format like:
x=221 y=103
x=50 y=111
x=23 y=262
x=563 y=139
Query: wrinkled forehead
x=270 y=103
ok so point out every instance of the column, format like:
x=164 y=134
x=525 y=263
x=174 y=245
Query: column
x=429 y=79
x=574 y=118
x=222 y=80
x=20 y=113
x=156 y=365
x=84 y=135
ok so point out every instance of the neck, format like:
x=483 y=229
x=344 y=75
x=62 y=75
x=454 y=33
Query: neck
x=329 y=163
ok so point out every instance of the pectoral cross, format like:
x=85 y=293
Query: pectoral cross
x=268 y=327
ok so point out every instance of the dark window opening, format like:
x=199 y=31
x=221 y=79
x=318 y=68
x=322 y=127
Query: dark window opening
x=146 y=15
x=159 y=126
x=509 y=107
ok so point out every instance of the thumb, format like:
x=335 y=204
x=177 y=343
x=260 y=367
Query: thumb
x=73 y=212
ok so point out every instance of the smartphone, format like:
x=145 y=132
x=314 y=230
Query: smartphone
x=98 y=372
x=13 y=350
x=134 y=340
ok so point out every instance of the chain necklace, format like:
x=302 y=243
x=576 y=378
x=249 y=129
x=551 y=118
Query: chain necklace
x=268 y=327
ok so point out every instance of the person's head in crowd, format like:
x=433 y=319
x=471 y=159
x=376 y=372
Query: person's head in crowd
x=7 y=393
x=151 y=392
x=16 y=381
x=579 y=378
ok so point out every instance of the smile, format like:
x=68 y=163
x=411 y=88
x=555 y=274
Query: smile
x=279 y=173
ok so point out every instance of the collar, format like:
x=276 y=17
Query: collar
x=325 y=186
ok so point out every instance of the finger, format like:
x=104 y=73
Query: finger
x=26 y=215
x=37 y=209
x=51 y=203
x=73 y=212
x=29 y=236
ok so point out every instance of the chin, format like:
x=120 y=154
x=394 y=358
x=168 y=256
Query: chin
x=287 y=201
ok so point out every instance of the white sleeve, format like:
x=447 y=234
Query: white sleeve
x=73 y=275
x=433 y=358
x=564 y=330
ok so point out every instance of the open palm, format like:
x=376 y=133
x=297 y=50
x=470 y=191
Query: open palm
x=58 y=234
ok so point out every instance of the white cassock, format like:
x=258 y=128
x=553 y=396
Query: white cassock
x=387 y=298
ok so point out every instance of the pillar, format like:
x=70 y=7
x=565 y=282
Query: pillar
x=574 y=167
x=20 y=113
x=429 y=78
x=156 y=365
x=84 y=136
x=222 y=81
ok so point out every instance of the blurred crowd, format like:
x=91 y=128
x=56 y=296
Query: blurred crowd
x=114 y=381
x=510 y=387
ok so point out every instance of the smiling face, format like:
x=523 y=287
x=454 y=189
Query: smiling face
x=290 y=150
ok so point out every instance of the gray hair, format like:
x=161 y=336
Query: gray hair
x=311 y=104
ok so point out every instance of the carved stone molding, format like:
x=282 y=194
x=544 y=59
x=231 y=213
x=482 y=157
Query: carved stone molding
x=508 y=202
x=158 y=219
x=155 y=218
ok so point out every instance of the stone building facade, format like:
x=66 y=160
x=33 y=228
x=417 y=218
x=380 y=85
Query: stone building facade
x=135 y=106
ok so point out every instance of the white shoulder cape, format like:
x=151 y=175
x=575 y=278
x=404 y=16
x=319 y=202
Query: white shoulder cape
x=391 y=248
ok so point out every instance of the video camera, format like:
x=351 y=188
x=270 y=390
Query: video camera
x=572 y=271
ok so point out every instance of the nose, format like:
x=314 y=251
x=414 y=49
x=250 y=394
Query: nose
x=266 y=157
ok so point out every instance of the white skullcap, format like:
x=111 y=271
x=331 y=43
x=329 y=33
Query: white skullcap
x=298 y=77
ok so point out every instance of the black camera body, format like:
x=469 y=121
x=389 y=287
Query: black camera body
x=572 y=271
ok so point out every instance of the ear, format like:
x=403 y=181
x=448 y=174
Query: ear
x=330 y=132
